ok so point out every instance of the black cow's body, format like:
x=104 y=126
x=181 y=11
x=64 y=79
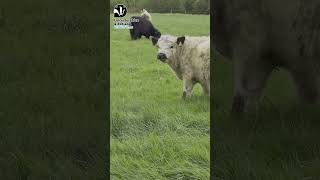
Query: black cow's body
x=143 y=28
x=259 y=35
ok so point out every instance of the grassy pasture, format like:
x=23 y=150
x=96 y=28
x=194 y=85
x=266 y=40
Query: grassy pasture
x=154 y=133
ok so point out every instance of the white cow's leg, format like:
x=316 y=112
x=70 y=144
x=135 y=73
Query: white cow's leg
x=187 y=87
x=250 y=76
x=206 y=87
x=307 y=80
x=250 y=69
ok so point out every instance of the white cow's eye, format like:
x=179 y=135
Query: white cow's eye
x=171 y=47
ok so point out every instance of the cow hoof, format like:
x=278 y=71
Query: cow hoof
x=238 y=104
x=184 y=95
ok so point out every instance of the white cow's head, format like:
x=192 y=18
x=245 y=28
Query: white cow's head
x=167 y=46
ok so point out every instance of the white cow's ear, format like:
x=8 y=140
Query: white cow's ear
x=180 y=40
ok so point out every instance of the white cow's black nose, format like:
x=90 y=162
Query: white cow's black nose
x=161 y=56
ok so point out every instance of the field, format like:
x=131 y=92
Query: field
x=154 y=133
x=279 y=142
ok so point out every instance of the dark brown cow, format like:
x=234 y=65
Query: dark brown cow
x=143 y=27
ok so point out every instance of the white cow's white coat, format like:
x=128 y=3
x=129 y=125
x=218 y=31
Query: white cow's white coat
x=189 y=60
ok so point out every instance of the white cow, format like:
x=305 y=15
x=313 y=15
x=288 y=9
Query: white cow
x=189 y=58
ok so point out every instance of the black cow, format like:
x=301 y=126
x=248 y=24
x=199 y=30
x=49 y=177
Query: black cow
x=260 y=35
x=142 y=27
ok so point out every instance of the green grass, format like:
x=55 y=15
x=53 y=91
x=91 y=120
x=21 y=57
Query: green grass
x=154 y=133
x=279 y=142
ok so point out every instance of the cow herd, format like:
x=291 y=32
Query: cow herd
x=187 y=56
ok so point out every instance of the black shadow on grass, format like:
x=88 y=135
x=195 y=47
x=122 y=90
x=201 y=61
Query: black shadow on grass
x=54 y=90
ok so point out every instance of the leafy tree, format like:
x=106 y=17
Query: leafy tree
x=188 y=5
x=200 y=7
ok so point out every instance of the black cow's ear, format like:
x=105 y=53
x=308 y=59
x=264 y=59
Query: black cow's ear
x=154 y=40
x=181 y=40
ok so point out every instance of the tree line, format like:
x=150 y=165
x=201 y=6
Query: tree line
x=165 y=6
